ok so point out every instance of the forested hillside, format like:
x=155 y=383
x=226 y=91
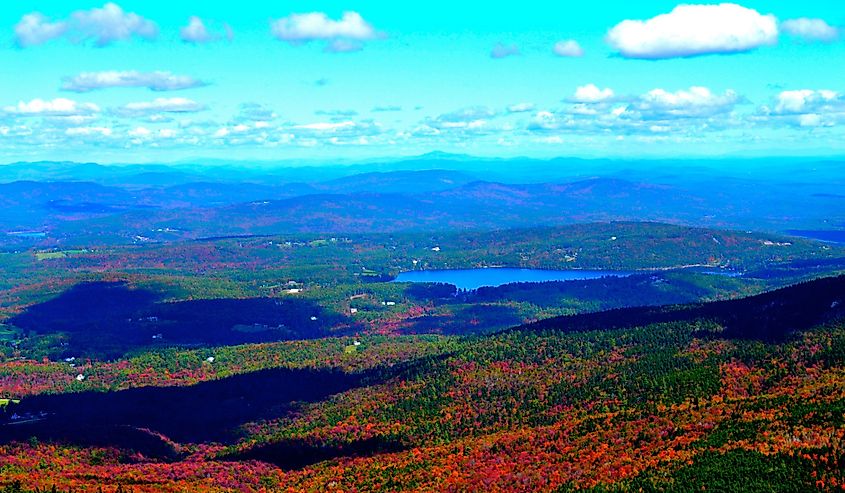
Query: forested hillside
x=726 y=396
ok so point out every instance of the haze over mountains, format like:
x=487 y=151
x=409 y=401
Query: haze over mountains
x=69 y=203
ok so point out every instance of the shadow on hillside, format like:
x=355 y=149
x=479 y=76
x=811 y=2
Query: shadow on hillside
x=463 y=320
x=430 y=291
x=105 y=320
x=208 y=411
x=769 y=317
x=296 y=454
x=800 y=267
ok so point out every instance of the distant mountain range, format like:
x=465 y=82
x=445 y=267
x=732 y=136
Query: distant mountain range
x=83 y=202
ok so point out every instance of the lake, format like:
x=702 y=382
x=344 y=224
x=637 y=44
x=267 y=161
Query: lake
x=476 y=278
x=828 y=235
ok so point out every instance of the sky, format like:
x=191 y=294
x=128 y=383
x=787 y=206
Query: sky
x=155 y=81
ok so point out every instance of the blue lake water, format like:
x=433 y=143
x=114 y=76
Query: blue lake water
x=476 y=278
x=828 y=235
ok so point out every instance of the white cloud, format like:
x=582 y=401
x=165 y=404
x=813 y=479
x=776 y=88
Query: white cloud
x=15 y=131
x=805 y=108
x=344 y=35
x=336 y=133
x=197 y=32
x=504 y=51
x=695 y=102
x=140 y=132
x=88 y=131
x=568 y=48
x=592 y=94
x=55 y=107
x=596 y=111
x=326 y=126
x=71 y=120
x=802 y=100
x=544 y=121
x=110 y=23
x=810 y=29
x=155 y=81
x=520 y=107
x=813 y=120
x=255 y=112
x=473 y=120
x=160 y=105
x=35 y=29
x=468 y=114
x=102 y=25
x=692 y=30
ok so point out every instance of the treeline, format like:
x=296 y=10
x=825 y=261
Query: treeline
x=18 y=487
x=769 y=316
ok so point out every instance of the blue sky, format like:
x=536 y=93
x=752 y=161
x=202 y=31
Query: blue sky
x=140 y=81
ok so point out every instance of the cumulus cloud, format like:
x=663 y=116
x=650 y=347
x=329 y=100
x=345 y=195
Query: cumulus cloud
x=520 y=108
x=145 y=133
x=265 y=133
x=504 y=51
x=140 y=132
x=197 y=32
x=547 y=121
x=806 y=108
x=694 y=30
x=88 y=131
x=695 y=102
x=568 y=48
x=803 y=100
x=159 y=105
x=810 y=29
x=103 y=26
x=596 y=111
x=35 y=29
x=54 y=107
x=335 y=133
x=469 y=114
x=154 y=81
x=591 y=93
x=333 y=127
x=110 y=23
x=473 y=120
x=344 y=35
x=255 y=112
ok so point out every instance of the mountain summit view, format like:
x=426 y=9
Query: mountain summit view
x=364 y=246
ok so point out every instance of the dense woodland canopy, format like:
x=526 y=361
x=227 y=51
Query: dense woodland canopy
x=239 y=365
